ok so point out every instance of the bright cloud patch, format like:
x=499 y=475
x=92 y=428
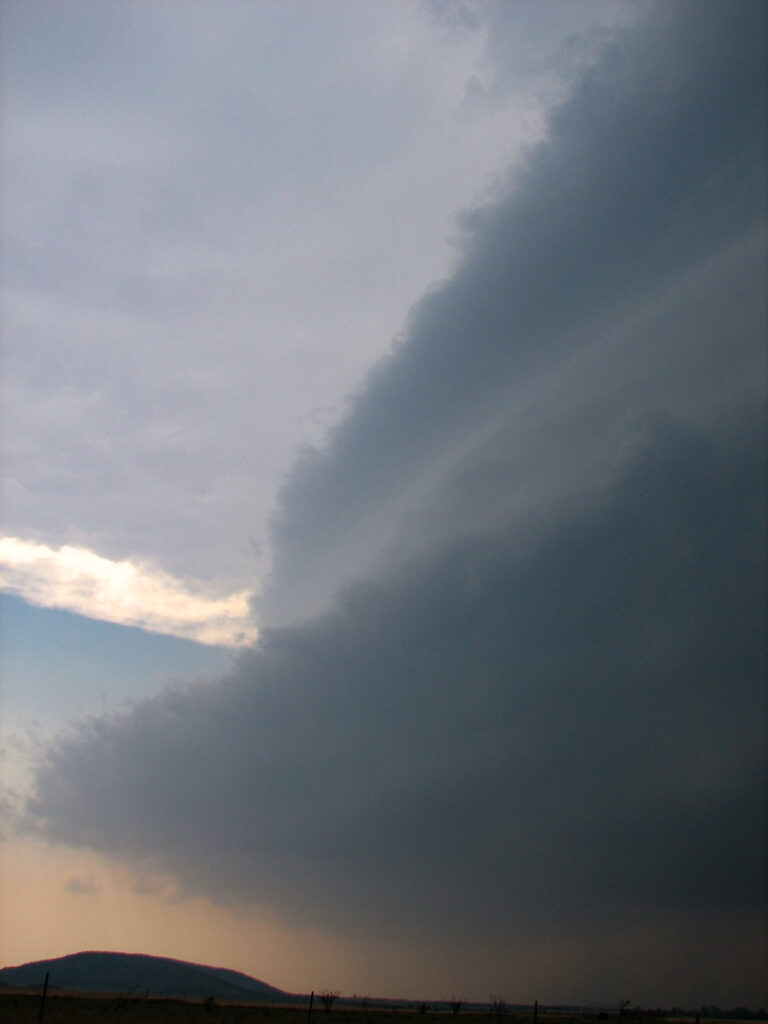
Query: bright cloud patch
x=81 y=581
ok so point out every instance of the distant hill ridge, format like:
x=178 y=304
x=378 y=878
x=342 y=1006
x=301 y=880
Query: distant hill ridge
x=138 y=973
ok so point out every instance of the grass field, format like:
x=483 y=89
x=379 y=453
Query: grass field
x=23 y=1007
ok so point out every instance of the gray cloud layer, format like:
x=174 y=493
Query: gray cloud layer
x=187 y=291
x=652 y=174
x=515 y=686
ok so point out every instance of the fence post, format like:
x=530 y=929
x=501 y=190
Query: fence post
x=42 y=1001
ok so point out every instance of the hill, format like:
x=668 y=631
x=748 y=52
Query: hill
x=135 y=973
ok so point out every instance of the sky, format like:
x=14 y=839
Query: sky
x=383 y=563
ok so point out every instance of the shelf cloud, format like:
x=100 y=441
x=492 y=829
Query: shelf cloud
x=510 y=680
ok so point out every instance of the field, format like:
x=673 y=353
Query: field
x=23 y=1007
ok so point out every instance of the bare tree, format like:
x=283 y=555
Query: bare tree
x=328 y=998
x=498 y=1005
x=455 y=1005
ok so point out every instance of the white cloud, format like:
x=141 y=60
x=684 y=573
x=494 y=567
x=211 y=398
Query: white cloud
x=124 y=592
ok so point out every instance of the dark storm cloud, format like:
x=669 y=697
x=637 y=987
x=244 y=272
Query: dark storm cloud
x=543 y=712
x=654 y=166
x=549 y=733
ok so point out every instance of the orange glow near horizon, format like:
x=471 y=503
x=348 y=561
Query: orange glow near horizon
x=58 y=901
x=55 y=901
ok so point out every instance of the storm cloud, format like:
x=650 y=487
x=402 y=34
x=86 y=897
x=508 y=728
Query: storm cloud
x=561 y=323
x=511 y=684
